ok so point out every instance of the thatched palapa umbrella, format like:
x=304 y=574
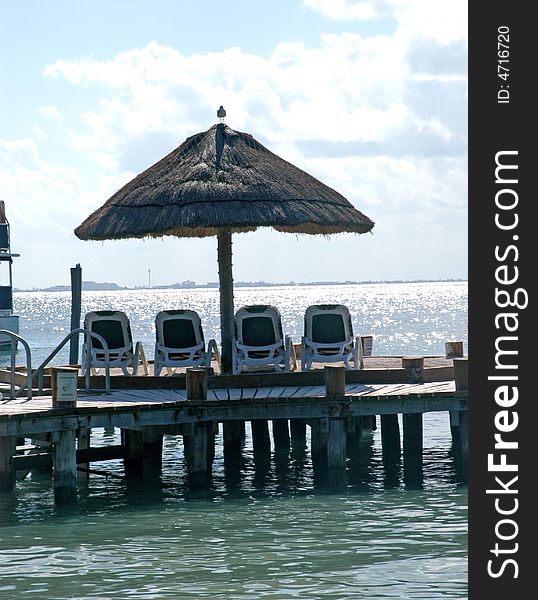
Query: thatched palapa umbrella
x=219 y=182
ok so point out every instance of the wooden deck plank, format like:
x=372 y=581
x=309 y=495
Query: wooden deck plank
x=131 y=406
x=222 y=395
x=262 y=393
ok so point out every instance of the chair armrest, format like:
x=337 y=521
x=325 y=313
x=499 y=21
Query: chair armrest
x=292 y=355
x=213 y=349
x=358 y=352
x=140 y=355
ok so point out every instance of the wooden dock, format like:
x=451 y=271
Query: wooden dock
x=336 y=404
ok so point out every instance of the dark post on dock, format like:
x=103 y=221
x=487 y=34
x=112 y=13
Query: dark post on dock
x=196 y=438
x=76 y=302
x=335 y=389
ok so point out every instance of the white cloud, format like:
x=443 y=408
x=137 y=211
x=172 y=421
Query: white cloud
x=382 y=119
x=50 y=112
x=348 y=89
x=443 y=20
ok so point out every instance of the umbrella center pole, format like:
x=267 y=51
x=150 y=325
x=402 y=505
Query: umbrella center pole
x=224 y=256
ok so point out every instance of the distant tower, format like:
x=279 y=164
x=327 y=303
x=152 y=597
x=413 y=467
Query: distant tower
x=221 y=113
x=149 y=277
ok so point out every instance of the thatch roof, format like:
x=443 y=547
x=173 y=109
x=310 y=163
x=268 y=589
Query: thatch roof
x=222 y=179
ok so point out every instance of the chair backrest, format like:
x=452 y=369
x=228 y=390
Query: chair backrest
x=178 y=329
x=6 y=297
x=112 y=325
x=328 y=323
x=258 y=325
x=4 y=237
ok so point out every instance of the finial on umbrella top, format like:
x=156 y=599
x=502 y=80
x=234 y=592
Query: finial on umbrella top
x=221 y=113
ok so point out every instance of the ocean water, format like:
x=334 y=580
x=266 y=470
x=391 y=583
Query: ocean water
x=261 y=530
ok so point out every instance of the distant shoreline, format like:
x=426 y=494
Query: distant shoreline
x=93 y=286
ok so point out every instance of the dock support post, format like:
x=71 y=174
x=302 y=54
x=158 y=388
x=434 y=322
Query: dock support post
x=196 y=447
x=196 y=383
x=281 y=435
x=354 y=433
x=390 y=436
x=212 y=432
x=133 y=452
x=453 y=349
x=335 y=389
x=414 y=368
x=337 y=453
x=412 y=448
x=83 y=443
x=142 y=451
x=461 y=380
x=224 y=257
x=64 y=457
x=152 y=450
x=369 y=423
x=232 y=433
x=391 y=450
x=298 y=435
x=261 y=442
x=196 y=455
x=76 y=295
x=8 y=445
x=318 y=449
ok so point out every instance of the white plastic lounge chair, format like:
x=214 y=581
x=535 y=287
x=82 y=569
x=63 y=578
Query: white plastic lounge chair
x=259 y=340
x=328 y=337
x=114 y=327
x=180 y=341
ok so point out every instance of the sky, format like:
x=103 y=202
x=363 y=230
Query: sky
x=368 y=96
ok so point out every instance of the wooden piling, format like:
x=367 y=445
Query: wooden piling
x=354 y=433
x=196 y=448
x=232 y=433
x=335 y=388
x=83 y=443
x=133 y=451
x=261 y=442
x=369 y=423
x=412 y=449
x=337 y=452
x=414 y=368
x=412 y=433
x=297 y=435
x=335 y=381
x=461 y=380
x=212 y=432
x=64 y=457
x=196 y=455
x=196 y=382
x=76 y=301
x=281 y=435
x=461 y=374
x=390 y=436
x=8 y=445
x=152 y=450
x=318 y=449
x=454 y=349
x=224 y=257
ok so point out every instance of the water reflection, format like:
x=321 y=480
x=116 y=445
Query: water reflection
x=261 y=528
